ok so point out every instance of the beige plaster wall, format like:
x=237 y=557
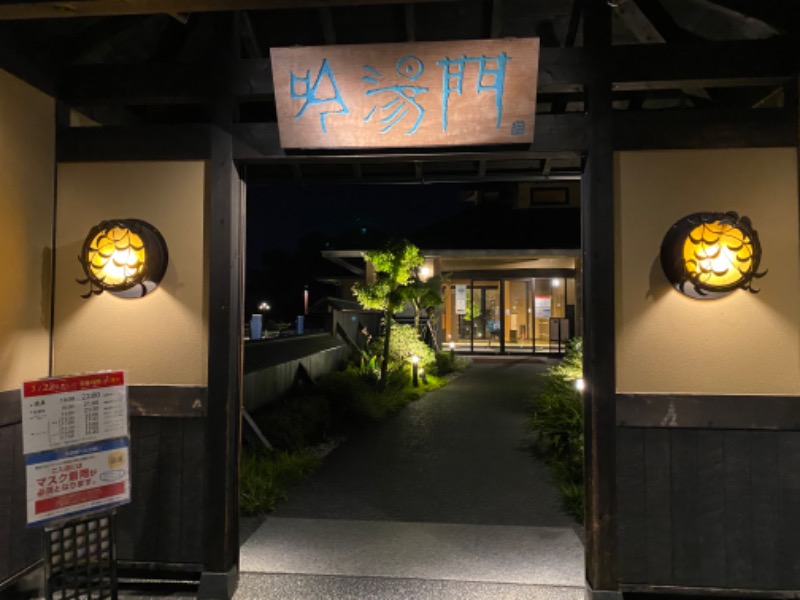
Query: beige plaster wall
x=158 y=339
x=741 y=344
x=27 y=158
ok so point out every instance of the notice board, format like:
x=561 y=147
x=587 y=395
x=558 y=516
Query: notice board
x=406 y=95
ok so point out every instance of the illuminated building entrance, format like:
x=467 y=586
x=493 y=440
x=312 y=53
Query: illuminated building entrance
x=533 y=311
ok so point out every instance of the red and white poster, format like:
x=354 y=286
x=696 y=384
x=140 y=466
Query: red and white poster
x=66 y=411
x=64 y=483
x=75 y=440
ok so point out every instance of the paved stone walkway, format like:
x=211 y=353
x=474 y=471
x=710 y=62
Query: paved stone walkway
x=441 y=501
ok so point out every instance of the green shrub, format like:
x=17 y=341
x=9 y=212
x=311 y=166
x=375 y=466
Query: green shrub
x=403 y=344
x=557 y=417
x=362 y=400
x=298 y=420
x=449 y=362
x=265 y=477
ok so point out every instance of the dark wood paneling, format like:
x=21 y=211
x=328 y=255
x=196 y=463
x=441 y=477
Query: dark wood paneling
x=710 y=508
x=632 y=488
x=658 y=528
x=709 y=412
x=683 y=504
x=20 y=547
x=789 y=510
x=167 y=401
x=192 y=480
x=164 y=524
x=10 y=407
x=766 y=521
x=738 y=519
x=720 y=509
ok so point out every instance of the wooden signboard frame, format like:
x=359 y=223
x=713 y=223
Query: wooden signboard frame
x=406 y=95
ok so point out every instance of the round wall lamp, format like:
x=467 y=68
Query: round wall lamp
x=125 y=257
x=709 y=255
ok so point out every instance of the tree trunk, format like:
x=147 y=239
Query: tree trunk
x=389 y=315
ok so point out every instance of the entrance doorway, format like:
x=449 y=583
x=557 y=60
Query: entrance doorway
x=531 y=315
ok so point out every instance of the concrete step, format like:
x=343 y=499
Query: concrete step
x=253 y=586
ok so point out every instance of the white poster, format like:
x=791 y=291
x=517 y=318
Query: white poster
x=64 y=483
x=67 y=411
x=542 y=306
x=461 y=299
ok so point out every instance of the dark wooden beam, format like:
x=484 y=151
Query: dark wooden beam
x=597 y=213
x=561 y=70
x=701 y=128
x=167 y=401
x=328 y=29
x=782 y=16
x=708 y=412
x=182 y=83
x=249 y=38
x=554 y=133
x=29 y=64
x=223 y=229
x=563 y=135
x=225 y=335
x=156 y=142
x=575 y=16
x=710 y=64
x=109 y=8
x=166 y=83
x=661 y=20
x=411 y=22
x=497 y=19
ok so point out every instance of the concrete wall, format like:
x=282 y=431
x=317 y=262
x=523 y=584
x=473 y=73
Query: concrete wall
x=741 y=344
x=161 y=338
x=27 y=156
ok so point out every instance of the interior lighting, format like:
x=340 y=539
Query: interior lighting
x=125 y=257
x=709 y=255
x=556 y=282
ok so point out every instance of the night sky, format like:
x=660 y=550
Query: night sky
x=278 y=216
x=283 y=252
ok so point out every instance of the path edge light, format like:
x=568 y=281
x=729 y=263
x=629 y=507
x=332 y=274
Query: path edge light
x=690 y=278
x=141 y=268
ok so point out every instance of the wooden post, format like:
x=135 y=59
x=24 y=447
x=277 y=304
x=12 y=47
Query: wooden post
x=224 y=235
x=598 y=294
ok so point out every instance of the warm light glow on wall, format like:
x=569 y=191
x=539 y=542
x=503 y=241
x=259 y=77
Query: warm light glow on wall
x=708 y=255
x=126 y=257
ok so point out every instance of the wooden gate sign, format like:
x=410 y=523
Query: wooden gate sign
x=406 y=95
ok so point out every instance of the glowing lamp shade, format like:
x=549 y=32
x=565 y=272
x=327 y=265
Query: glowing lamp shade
x=709 y=255
x=125 y=257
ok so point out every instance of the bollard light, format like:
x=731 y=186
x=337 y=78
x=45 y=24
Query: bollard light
x=415 y=370
x=580 y=384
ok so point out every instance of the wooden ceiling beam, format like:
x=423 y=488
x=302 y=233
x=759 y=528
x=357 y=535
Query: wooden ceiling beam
x=557 y=137
x=49 y=9
x=249 y=38
x=646 y=32
x=497 y=19
x=411 y=22
x=710 y=64
x=326 y=22
x=561 y=70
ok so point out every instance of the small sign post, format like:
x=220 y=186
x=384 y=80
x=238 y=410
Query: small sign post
x=77 y=469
